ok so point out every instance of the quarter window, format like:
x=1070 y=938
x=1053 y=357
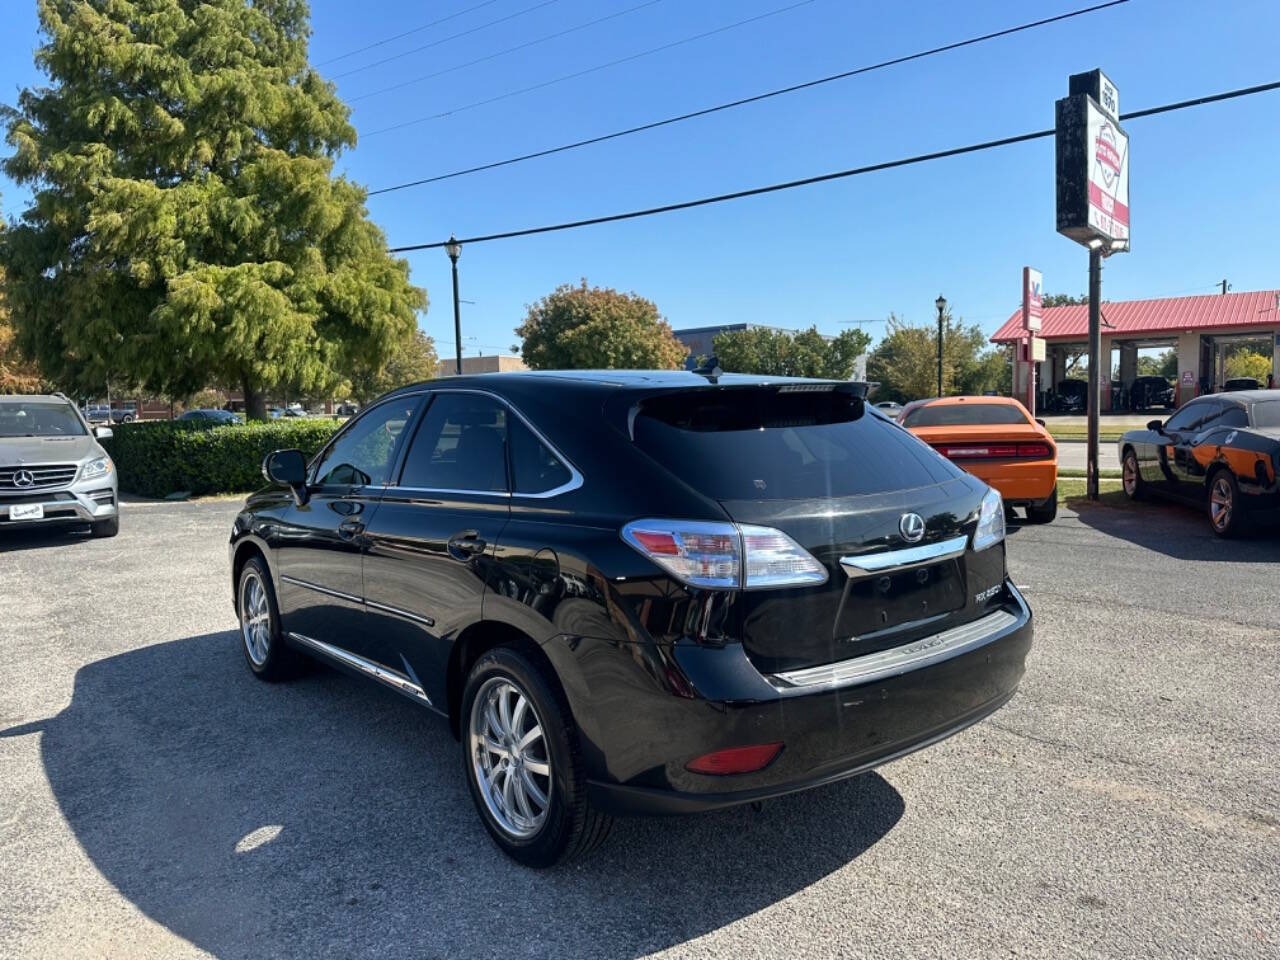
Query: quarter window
x=1234 y=417
x=364 y=454
x=460 y=445
x=534 y=468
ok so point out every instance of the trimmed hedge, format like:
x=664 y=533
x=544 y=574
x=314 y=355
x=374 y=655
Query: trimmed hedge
x=156 y=458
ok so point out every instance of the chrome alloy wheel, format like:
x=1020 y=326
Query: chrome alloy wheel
x=510 y=758
x=1130 y=470
x=255 y=618
x=1220 y=503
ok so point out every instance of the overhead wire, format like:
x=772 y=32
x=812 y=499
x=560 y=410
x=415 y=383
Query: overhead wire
x=706 y=111
x=598 y=67
x=406 y=33
x=835 y=175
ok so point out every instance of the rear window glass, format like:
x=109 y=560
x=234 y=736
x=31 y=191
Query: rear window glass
x=1266 y=414
x=762 y=444
x=955 y=414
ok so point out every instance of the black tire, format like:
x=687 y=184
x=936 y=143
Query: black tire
x=1044 y=512
x=1226 y=513
x=569 y=826
x=272 y=660
x=1135 y=487
x=105 y=528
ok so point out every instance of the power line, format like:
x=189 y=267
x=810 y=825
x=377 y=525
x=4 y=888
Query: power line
x=435 y=43
x=746 y=100
x=500 y=53
x=597 y=68
x=837 y=175
x=406 y=33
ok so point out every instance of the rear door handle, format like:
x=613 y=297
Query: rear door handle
x=466 y=544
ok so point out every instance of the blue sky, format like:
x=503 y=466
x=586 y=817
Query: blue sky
x=1203 y=186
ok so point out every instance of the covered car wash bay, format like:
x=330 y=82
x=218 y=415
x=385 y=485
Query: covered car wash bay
x=1202 y=330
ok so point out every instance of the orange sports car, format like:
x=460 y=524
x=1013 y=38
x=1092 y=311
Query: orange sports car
x=996 y=440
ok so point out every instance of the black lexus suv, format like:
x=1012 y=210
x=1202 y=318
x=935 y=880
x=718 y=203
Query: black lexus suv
x=635 y=592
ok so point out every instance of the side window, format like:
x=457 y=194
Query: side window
x=1212 y=414
x=1187 y=417
x=460 y=445
x=534 y=467
x=365 y=453
x=1234 y=417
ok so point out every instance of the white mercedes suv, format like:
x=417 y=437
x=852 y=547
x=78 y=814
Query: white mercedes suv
x=52 y=469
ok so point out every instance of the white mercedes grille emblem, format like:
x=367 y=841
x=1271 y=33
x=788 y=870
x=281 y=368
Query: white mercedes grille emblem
x=24 y=478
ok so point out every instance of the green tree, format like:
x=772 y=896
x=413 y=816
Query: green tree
x=185 y=226
x=785 y=354
x=413 y=359
x=905 y=362
x=1246 y=362
x=596 y=328
x=1063 y=300
x=16 y=374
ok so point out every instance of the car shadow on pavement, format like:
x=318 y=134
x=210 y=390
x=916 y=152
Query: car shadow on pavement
x=40 y=538
x=1178 y=531
x=326 y=817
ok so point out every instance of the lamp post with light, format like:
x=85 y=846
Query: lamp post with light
x=941 y=304
x=454 y=249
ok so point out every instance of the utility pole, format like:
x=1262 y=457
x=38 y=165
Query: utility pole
x=1225 y=287
x=454 y=249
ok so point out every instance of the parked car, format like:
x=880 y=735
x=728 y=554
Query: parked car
x=1220 y=452
x=213 y=416
x=696 y=592
x=995 y=439
x=1241 y=383
x=890 y=408
x=102 y=413
x=52 y=469
x=1072 y=396
x=1151 y=391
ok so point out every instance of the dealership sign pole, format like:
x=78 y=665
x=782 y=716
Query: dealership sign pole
x=1033 y=346
x=1092 y=172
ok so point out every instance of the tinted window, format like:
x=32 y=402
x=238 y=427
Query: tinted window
x=1266 y=413
x=461 y=445
x=39 y=419
x=757 y=444
x=534 y=468
x=1188 y=416
x=1233 y=417
x=949 y=414
x=365 y=453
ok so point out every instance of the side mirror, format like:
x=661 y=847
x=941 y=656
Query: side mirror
x=287 y=468
x=1042 y=423
x=103 y=433
x=1156 y=425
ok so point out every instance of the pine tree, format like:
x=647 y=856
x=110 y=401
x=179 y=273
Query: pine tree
x=186 y=226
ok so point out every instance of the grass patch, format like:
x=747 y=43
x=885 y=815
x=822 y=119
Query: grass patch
x=1104 y=474
x=1075 y=434
x=1072 y=491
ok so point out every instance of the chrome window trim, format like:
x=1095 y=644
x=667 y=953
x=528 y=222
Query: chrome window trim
x=892 y=561
x=575 y=476
x=319 y=589
x=396 y=611
x=392 y=678
x=897 y=660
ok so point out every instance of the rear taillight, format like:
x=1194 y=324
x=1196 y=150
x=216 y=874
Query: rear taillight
x=994 y=451
x=711 y=554
x=736 y=760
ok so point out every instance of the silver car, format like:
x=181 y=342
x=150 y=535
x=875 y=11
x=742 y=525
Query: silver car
x=52 y=469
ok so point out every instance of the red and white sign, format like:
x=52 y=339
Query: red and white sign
x=1032 y=299
x=1108 y=176
x=1188 y=378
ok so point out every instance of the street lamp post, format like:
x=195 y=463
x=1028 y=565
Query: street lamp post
x=454 y=249
x=941 y=304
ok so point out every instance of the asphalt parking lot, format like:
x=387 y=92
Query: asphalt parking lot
x=156 y=801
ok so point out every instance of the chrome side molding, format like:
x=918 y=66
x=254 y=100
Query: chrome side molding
x=392 y=678
x=892 y=561
x=897 y=660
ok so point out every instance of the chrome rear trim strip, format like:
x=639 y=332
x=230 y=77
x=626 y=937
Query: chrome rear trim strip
x=319 y=589
x=910 y=656
x=892 y=561
x=392 y=678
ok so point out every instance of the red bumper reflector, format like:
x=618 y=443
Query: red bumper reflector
x=994 y=451
x=736 y=760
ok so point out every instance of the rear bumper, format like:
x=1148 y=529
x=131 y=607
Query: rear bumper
x=1018 y=482
x=841 y=729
